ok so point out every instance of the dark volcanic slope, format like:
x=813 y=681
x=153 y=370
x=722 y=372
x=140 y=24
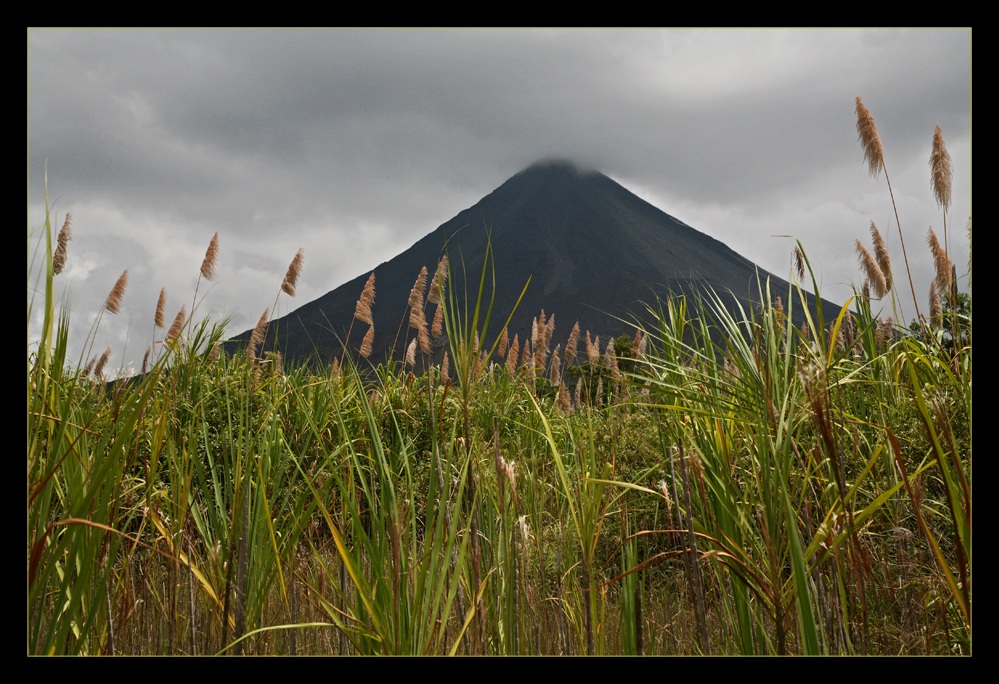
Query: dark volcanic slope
x=597 y=252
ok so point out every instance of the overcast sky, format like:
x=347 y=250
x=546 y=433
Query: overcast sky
x=353 y=144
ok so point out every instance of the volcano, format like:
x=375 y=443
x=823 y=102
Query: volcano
x=593 y=251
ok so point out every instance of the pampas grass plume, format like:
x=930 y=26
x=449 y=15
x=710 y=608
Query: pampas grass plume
x=211 y=258
x=99 y=368
x=438 y=282
x=291 y=277
x=571 y=346
x=871 y=270
x=874 y=152
x=65 y=235
x=177 y=325
x=362 y=311
x=257 y=336
x=113 y=303
x=936 y=307
x=438 y=325
x=160 y=317
x=941 y=170
x=882 y=256
x=368 y=342
x=416 y=294
x=940 y=261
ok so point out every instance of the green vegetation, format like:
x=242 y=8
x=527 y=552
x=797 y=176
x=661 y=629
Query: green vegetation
x=788 y=490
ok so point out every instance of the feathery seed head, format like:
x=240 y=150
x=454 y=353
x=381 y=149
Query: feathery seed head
x=211 y=257
x=113 y=303
x=362 y=311
x=799 y=262
x=65 y=235
x=512 y=356
x=367 y=344
x=99 y=368
x=871 y=270
x=936 y=307
x=941 y=170
x=257 y=336
x=571 y=347
x=881 y=255
x=438 y=325
x=874 y=153
x=416 y=294
x=940 y=261
x=177 y=325
x=291 y=277
x=159 y=319
x=438 y=282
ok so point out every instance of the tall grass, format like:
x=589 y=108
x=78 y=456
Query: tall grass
x=734 y=480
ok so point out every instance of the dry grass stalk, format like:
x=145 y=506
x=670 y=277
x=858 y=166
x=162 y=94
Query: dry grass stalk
x=564 y=400
x=89 y=367
x=526 y=357
x=438 y=325
x=362 y=311
x=882 y=256
x=593 y=350
x=572 y=345
x=291 y=277
x=874 y=152
x=541 y=345
x=368 y=342
x=257 y=336
x=424 y=339
x=936 y=307
x=416 y=294
x=511 y=357
x=113 y=303
x=641 y=342
x=101 y=362
x=872 y=272
x=848 y=331
x=885 y=332
x=65 y=235
x=941 y=170
x=940 y=261
x=799 y=262
x=610 y=360
x=177 y=325
x=211 y=258
x=556 y=369
x=160 y=318
x=438 y=282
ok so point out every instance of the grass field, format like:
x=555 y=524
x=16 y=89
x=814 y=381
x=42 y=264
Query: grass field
x=713 y=484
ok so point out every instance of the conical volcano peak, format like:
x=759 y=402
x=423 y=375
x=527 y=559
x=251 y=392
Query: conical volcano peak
x=588 y=249
x=559 y=165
